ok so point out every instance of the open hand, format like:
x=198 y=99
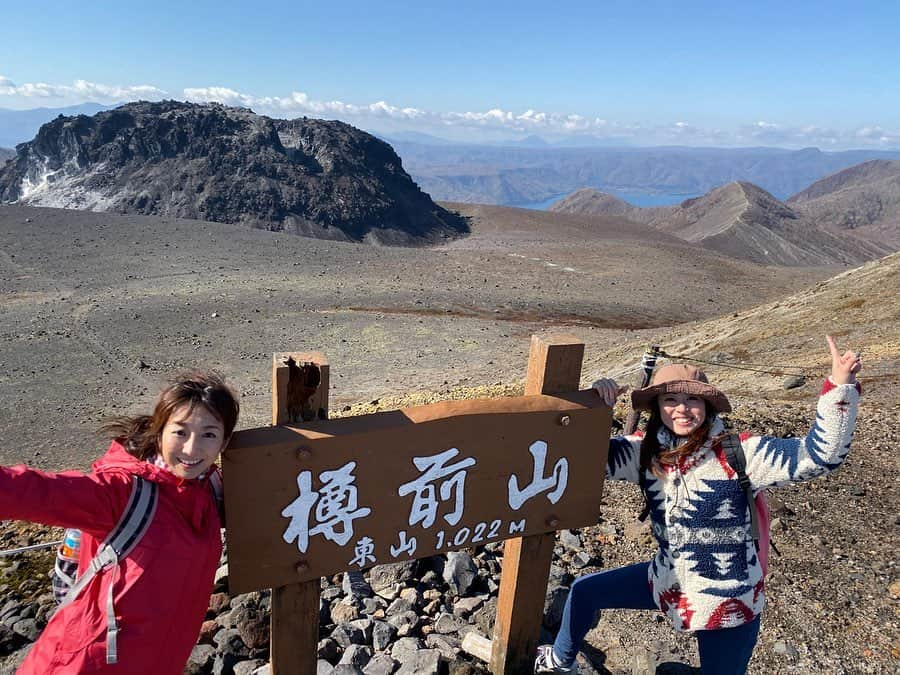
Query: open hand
x=844 y=367
x=608 y=390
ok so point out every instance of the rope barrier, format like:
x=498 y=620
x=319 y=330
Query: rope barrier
x=628 y=371
x=754 y=367
x=33 y=547
x=760 y=368
x=769 y=369
x=742 y=363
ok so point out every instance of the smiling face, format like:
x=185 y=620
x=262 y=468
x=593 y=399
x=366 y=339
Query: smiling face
x=191 y=440
x=682 y=413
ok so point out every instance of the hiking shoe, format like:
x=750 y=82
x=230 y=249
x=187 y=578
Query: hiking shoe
x=546 y=662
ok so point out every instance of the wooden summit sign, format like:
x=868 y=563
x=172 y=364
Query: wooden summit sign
x=343 y=495
x=355 y=492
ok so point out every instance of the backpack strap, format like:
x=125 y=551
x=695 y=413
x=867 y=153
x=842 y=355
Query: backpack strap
x=218 y=491
x=132 y=525
x=734 y=453
x=136 y=519
x=642 y=482
x=215 y=484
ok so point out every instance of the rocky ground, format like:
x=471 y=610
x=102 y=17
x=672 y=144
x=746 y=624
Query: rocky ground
x=833 y=590
x=97 y=308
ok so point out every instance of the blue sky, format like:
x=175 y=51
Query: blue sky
x=695 y=73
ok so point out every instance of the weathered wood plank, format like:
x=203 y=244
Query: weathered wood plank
x=499 y=489
x=554 y=366
x=294 y=629
x=299 y=392
x=300 y=382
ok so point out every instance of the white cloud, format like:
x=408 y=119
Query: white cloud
x=870 y=132
x=299 y=103
x=216 y=95
x=878 y=135
x=80 y=91
x=497 y=122
x=872 y=136
x=106 y=92
x=780 y=134
x=30 y=89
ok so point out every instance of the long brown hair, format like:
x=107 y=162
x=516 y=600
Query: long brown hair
x=650 y=447
x=141 y=434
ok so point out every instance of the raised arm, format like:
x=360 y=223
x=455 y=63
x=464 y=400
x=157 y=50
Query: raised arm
x=623 y=462
x=69 y=499
x=776 y=461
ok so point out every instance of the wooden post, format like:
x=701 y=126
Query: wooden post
x=554 y=367
x=299 y=387
x=299 y=393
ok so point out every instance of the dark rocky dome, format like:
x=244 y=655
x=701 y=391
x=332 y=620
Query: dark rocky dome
x=311 y=177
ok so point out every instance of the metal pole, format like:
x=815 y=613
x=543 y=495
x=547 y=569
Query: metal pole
x=33 y=547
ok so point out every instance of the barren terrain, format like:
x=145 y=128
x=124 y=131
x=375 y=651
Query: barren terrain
x=742 y=220
x=87 y=297
x=863 y=198
x=95 y=309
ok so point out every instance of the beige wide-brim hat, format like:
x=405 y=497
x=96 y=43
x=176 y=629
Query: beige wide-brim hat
x=677 y=378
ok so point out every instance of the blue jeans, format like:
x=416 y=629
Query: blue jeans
x=725 y=651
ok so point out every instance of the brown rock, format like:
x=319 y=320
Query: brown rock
x=342 y=612
x=218 y=603
x=207 y=631
x=894 y=589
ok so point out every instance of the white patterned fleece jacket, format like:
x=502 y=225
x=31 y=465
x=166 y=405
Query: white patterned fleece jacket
x=706 y=574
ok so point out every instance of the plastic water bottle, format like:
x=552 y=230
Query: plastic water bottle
x=71 y=545
x=62 y=576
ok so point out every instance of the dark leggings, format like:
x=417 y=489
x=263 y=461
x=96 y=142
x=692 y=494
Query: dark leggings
x=725 y=651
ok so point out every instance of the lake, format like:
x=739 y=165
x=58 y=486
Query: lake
x=633 y=198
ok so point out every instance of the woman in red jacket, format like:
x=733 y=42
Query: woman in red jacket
x=160 y=591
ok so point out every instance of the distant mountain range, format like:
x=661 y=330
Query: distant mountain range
x=329 y=180
x=744 y=221
x=532 y=169
x=317 y=178
x=517 y=175
x=531 y=141
x=18 y=126
x=5 y=154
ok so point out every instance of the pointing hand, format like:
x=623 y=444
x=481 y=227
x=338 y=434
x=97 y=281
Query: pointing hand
x=843 y=366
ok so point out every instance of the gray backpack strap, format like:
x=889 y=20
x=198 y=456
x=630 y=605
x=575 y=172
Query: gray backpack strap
x=734 y=453
x=132 y=525
x=215 y=484
x=217 y=488
x=136 y=519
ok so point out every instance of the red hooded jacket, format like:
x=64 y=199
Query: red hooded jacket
x=162 y=588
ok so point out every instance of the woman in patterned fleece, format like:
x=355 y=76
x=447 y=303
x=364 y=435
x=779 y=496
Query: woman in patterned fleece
x=706 y=576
